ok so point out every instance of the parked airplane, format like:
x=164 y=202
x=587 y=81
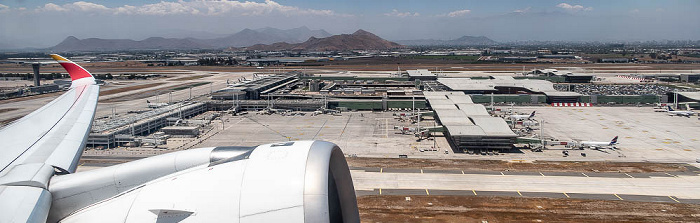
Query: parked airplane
x=673 y=112
x=155 y=105
x=302 y=181
x=523 y=117
x=598 y=145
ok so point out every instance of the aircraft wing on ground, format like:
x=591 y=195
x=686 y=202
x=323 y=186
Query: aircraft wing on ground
x=45 y=142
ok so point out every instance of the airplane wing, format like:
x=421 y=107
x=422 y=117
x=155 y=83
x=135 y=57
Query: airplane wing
x=45 y=142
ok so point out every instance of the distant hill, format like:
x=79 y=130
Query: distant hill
x=462 y=41
x=359 y=40
x=246 y=37
x=249 y=37
x=95 y=44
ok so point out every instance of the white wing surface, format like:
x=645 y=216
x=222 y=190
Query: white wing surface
x=46 y=141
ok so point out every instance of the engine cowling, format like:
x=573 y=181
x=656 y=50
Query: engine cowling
x=302 y=181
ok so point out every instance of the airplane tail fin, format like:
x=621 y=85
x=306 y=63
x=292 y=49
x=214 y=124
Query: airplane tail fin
x=669 y=108
x=613 y=141
x=532 y=115
x=78 y=74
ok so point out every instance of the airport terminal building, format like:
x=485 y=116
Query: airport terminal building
x=469 y=127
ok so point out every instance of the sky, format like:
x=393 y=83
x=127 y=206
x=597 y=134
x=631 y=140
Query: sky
x=38 y=24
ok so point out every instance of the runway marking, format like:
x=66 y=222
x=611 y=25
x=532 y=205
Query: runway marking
x=671 y=175
x=519 y=193
x=381 y=170
x=585 y=174
x=567 y=196
x=380 y=191
x=462 y=171
x=426 y=192
x=618 y=197
x=674 y=199
x=541 y=174
x=629 y=175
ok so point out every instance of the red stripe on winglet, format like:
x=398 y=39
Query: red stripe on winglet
x=76 y=72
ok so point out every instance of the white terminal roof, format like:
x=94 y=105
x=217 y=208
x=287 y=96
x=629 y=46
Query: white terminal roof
x=465 y=119
x=460 y=99
x=691 y=95
x=465 y=130
x=444 y=107
x=468 y=84
x=492 y=126
x=473 y=109
x=441 y=102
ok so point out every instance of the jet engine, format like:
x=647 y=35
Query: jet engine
x=301 y=181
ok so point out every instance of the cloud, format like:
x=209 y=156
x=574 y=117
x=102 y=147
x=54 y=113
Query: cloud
x=4 y=8
x=51 y=7
x=195 y=7
x=573 y=8
x=396 y=13
x=459 y=13
x=161 y=8
x=453 y=14
x=525 y=10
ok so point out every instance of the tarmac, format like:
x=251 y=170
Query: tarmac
x=644 y=135
x=609 y=186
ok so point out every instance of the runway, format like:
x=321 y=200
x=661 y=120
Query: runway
x=648 y=187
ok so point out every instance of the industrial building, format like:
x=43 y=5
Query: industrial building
x=510 y=85
x=469 y=127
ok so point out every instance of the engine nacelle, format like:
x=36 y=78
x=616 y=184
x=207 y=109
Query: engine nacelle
x=303 y=181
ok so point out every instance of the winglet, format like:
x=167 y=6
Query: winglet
x=78 y=74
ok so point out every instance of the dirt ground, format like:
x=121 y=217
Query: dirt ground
x=394 y=208
x=498 y=165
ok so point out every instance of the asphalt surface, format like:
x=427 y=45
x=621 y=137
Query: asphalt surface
x=525 y=173
x=610 y=197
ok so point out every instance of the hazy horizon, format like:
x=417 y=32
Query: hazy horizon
x=39 y=24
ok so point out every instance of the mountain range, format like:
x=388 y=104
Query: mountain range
x=246 y=37
x=359 y=40
x=462 y=41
